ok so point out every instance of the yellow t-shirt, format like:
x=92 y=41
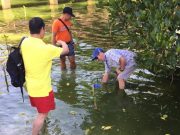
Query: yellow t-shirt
x=37 y=57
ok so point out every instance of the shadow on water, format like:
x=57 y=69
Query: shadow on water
x=150 y=106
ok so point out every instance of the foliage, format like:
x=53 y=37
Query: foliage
x=103 y=2
x=150 y=26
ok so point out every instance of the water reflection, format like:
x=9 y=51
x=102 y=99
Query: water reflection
x=66 y=87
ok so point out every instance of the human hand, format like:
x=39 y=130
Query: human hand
x=118 y=71
x=105 y=78
x=60 y=42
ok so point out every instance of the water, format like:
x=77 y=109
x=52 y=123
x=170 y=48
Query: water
x=82 y=110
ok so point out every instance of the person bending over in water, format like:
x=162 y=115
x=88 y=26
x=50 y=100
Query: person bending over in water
x=122 y=60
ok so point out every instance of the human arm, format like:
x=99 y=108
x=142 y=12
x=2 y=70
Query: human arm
x=105 y=78
x=64 y=47
x=55 y=30
x=122 y=63
x=51 y=51
x=54 y=38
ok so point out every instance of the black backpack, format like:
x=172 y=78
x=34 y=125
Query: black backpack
x=15 y=67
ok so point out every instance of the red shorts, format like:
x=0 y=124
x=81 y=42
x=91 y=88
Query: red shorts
x=43 y=104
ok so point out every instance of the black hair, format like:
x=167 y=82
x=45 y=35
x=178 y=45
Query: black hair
x=35 y=25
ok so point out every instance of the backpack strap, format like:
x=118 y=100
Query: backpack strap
x=64 y=24
x=21 y=88
x=22 y=93
x=19 y=45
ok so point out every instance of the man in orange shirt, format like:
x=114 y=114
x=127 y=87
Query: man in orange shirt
x=61 y=31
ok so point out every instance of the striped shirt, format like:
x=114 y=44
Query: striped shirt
x=112 y=57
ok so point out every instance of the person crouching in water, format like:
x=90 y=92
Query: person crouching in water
x=122 y=60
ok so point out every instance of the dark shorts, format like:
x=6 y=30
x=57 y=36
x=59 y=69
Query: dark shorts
x=43 y=104
x=71 y=49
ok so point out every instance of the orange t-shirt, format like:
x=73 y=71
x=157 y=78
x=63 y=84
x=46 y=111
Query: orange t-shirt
x=61 y=31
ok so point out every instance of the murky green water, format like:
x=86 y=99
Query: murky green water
x=151 y=106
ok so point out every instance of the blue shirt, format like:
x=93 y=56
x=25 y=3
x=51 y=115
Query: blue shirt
x=112 y=57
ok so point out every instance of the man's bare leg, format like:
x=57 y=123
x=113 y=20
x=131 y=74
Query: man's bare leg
x=72 y=62
x=38 y=123
x=63 y=63
x=121 y=84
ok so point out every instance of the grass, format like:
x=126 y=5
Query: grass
x=19 y=3
x=30 y=3
x=13 y=39
x=24 y=2
x=14 y=22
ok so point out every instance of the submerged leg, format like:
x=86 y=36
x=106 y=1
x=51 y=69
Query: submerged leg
x=63 y=63
x=123 y=76
x=38 y=123
x=72 y=62
x=121 y=84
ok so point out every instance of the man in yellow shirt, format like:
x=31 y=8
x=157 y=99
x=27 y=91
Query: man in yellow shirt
x=37 y=57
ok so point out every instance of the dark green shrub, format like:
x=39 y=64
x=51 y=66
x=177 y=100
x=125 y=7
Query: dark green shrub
x=150 y=26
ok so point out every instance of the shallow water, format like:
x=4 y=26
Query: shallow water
x=142 y=111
